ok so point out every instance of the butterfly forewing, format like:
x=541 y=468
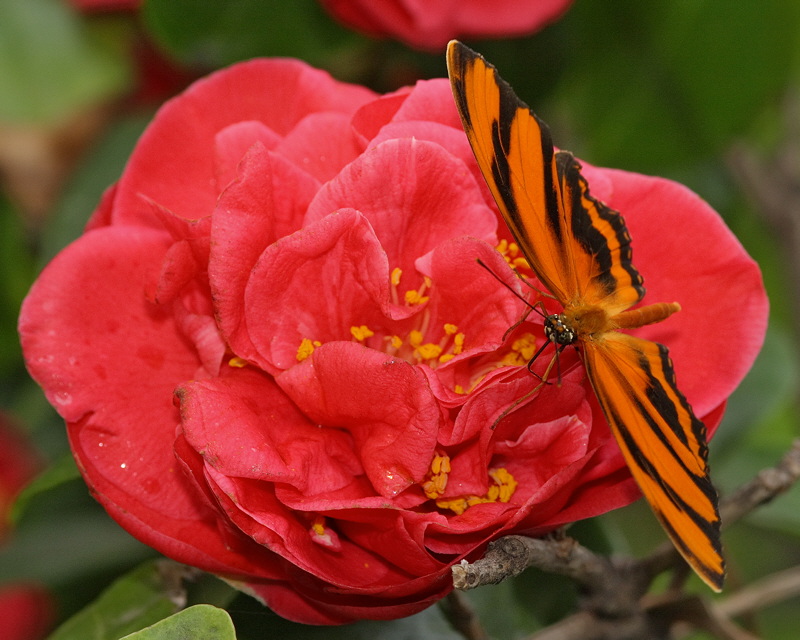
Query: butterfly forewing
x=516 y=157
x=575 y=244
x=664 y=444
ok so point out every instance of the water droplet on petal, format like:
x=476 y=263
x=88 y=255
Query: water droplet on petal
x=62 y=398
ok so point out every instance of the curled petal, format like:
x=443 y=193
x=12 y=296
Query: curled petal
x=343 y=385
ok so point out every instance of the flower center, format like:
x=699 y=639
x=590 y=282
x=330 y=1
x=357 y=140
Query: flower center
x=417 y=345
x=510 y=251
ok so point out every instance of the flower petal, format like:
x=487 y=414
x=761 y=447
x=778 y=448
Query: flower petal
x=173 y=163
x=267 y=202
x=324 y=279
x=385 y=404
x=414 y=194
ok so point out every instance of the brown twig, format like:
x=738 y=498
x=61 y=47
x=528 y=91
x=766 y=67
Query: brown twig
x=768 y=484
x=773 y=185
x=770 y=590
x=462 y=617
x=614 y=603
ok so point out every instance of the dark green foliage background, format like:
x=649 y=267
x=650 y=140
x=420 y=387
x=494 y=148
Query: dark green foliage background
x=663 y=88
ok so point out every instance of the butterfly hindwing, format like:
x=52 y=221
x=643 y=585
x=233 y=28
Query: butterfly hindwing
x=663 y=443
x=575 y=244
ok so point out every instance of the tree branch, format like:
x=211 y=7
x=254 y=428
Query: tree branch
x=461 y=615
x=614 y=603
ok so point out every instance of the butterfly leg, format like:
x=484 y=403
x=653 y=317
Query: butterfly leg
x=516 y=403
x=543 y=382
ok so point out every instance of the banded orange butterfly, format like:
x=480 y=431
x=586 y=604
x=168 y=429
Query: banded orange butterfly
x=580 y=250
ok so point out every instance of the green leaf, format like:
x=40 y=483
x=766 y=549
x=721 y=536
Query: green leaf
x=213 y=34
x=62 y=471
x=16 y=275
x=140 y=598
x=52 y=65
x=200 y=622
x=654 y=85
x=719 y=71
x=98 y=171
x=767 y=390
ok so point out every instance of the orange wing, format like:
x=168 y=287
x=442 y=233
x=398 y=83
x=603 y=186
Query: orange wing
x=578 y=247
x=664 y=444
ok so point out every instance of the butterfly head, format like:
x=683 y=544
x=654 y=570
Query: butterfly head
x=558 y=331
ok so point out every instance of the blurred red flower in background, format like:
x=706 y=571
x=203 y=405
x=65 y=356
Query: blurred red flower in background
x=279 y=361
x=430 y=25
x=19 y=463
x=27 y=612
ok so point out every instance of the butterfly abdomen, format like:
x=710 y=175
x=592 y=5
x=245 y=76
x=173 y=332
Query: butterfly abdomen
x=650 y=314
x=581 y=320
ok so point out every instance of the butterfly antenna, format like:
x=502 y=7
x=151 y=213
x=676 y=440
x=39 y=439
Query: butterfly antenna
x=532 y=307
x=537 y=307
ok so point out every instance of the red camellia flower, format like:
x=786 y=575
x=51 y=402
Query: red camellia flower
x=27 y=611
x=430 y=25
x=279 y=361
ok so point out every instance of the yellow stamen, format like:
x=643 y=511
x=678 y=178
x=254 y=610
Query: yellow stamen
x=319 y=526
x=522 y=350
x=450 y=329
x=512 y=359
x=361 y=333
x=525 y=346
x=413 y=296
x=501 y=491
x=436 y=483
x=447 y=357
x=429 y=351
x=306 y=348
x=394 y=278
x=237 y=362
x=458 y=343
x=323 y=535
x=456 y=505
x=396 y=342
x=506 y=484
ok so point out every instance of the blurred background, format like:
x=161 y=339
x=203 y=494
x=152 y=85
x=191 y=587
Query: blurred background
x=706 y=92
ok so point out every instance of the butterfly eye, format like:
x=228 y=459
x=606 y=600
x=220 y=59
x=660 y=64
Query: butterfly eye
x=557 y=331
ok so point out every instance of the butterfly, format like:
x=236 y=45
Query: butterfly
x=580 y=250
